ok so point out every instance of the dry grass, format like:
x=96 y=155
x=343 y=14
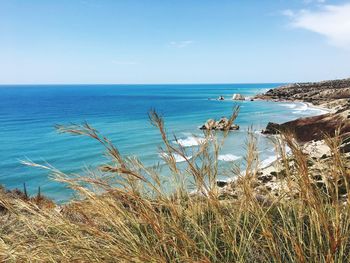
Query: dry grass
x=126 y=215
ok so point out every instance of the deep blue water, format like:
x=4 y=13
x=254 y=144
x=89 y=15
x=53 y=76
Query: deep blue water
x=28 y=115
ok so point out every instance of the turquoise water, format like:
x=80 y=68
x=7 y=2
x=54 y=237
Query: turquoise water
x=28 y=114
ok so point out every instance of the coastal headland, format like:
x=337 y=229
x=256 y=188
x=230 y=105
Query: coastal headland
x=331 y=95
x=311 y=134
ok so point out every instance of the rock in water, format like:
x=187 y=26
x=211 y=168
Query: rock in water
x=234 y=127
x=210 y=124
x=238 y=97
x=221 y=125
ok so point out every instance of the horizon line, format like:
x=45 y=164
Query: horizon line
x=165 y=83
x=137 y=84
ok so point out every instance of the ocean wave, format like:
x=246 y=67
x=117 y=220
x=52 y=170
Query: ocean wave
x=268 y=161
x=178 y=158
x=288 y=105
x=301 y=109
x=318 y=110
x=259 y=133
x=297 y=108
x=228 y=157
x=190 y=141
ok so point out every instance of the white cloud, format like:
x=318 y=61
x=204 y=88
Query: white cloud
x=181 y=44
x=331 y=21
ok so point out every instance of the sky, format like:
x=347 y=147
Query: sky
x=173 y=41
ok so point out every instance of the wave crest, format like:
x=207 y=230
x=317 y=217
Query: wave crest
x=288 y=105
x=178 y=158
x=190 y=141
x=268 y=161
x=228 y=157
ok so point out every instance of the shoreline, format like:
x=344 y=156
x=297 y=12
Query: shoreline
x=318 y=107
x=309 y=105
x=331 y=102
x=270 y=167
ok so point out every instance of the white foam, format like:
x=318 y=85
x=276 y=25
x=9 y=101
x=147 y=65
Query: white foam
x=259 y=133
x=268 y=161
x=305 y=107
x=190 y=141
x=289 y=105
x=318 y=110
x=228 y=157
x=178 y=158
x=299 y=108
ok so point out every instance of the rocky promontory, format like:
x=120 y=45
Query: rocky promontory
x=333 y=95
x=317 y=93
x=313 y=128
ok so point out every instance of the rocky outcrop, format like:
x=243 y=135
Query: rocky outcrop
x=313 y=128
x=270 y=181
x=238 y=97
x=275 y=181
x=222 y=125
x=272 y=128
x=317 y=93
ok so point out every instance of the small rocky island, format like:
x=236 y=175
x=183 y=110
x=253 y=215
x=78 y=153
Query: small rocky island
x=237 y=96
x=221 y=125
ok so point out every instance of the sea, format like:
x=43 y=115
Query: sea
x=28 y=114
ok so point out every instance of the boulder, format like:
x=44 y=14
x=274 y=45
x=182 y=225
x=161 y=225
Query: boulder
x=265 y=178
x=210 y=124
x=345 y=148
x=272 y=128
x=223 y=120
x=313 y=128
x=220 y=183
x=238 y=97
x=220 y=125
x=234 y=127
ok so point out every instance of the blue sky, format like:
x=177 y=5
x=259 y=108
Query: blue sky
x=168 y=41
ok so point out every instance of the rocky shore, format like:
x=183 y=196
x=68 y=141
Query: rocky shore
x=310 y=134
x=329 y=94
x=333 y=95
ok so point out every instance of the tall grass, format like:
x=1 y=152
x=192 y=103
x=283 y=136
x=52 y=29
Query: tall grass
x=125 y=214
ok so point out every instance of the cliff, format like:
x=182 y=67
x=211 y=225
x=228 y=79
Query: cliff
x=332 y=94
